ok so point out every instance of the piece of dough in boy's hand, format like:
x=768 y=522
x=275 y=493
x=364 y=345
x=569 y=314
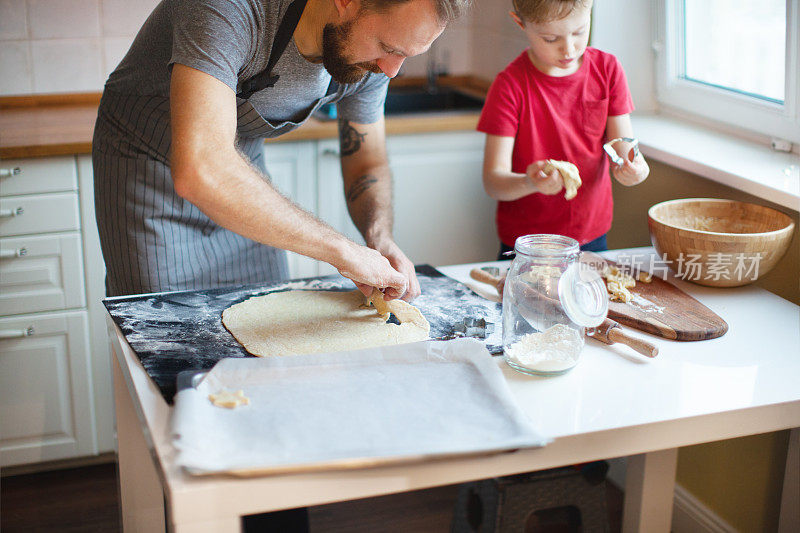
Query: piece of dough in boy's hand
x=569 y=173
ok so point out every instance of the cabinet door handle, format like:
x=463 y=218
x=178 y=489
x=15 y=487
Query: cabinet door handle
x=8 y=254
x=16 y=333
x=8 y=213
x=8 y=172
x=330 y=152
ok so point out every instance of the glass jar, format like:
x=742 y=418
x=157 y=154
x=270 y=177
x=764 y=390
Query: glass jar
x=549 y=300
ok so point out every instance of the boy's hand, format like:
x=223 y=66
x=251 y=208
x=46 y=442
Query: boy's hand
x=631 y=172
x=549 y=184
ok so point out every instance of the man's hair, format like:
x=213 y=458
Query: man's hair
x=447 y=10
x=539 y=11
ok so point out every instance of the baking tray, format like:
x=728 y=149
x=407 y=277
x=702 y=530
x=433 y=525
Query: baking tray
x=353 y=409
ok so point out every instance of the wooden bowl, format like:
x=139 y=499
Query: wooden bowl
x=719 y=243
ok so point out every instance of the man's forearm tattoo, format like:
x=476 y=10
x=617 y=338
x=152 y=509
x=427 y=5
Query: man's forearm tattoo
x=349 y=138
x=362 y=184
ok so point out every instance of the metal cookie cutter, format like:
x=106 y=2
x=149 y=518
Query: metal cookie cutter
x=474 y=327
x=613 y=155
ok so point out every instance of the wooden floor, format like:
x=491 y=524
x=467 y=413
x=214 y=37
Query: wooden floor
x=86 y=500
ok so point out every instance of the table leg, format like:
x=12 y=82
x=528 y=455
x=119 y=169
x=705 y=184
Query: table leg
x=789 y=520
x=141 y=494
x=649 y=492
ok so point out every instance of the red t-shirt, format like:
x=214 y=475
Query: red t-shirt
x=563 y=119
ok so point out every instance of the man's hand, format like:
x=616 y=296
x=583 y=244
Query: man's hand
x=368 y=269
x=402 y=264
x=633 y=171
x=548 y=184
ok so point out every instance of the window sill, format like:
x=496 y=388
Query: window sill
x=743 y=165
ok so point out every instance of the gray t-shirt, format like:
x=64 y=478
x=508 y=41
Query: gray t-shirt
x=231 y=40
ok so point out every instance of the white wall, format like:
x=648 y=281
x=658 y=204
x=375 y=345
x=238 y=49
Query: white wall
x=64 y=46
x=69 y=46
x=626 y=29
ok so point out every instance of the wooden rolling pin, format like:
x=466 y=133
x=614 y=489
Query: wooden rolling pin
x=609 y=332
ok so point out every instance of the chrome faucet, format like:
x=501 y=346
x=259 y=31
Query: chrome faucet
x=432 y=70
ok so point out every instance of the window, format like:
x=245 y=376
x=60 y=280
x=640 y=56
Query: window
x=732 y=61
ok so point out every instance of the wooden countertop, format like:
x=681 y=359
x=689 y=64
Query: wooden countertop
x=47 y=125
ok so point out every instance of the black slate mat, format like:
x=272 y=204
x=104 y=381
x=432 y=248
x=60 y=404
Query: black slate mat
x=177 y=331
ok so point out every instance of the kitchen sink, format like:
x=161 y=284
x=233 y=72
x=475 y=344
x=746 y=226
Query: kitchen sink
x=416 y=99
x=404 y=100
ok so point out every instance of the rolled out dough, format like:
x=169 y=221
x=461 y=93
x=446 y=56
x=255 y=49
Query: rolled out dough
x=569 y=173
x=304 y=321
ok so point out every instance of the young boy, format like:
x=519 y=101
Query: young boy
x=559 y=100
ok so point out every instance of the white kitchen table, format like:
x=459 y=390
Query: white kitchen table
x=614 y=403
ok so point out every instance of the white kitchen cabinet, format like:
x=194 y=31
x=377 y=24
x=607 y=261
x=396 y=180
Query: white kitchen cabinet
x=41 y=273
x=39 y=213
x=46 y=408
x=40 y=175
x=55 y=378
x=100 y=346
x=292 y=168
x=442 y=215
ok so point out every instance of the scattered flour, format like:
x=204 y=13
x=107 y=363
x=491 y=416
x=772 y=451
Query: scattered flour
x=646 y=305
x=552 y=350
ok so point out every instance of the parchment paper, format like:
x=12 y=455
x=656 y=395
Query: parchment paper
x=350 y=409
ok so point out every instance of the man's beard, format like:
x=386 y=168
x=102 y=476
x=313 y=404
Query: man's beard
x=334 y=42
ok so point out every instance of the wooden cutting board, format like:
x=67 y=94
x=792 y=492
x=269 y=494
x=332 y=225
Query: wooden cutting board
x=661 y=308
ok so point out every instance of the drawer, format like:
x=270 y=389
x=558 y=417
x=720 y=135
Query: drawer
x=40 y=175
x=41 y=273
x=45 y=388
x=40 y=213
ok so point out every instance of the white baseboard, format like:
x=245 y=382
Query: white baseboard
x=690 y=515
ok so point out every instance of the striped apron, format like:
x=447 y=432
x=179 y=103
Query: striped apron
x=152 y=239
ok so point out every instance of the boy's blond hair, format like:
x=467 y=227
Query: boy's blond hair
x=539 y=11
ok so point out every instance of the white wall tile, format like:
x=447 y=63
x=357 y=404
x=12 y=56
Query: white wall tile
x=493 y=15
x=124 y=17
x=453 y=53
x=15 y=66
x=63 y=19
x=491 y=52
x=495 y=38
x=69 y=65
x=415 y=66
x=462 y=22
x=13 y=20
x=114 y=49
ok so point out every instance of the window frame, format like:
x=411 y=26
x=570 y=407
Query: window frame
x=697 y=99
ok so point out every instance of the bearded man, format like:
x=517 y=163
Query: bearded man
x=181 y=191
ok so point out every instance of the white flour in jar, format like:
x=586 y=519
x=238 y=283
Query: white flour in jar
x=553 y=350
